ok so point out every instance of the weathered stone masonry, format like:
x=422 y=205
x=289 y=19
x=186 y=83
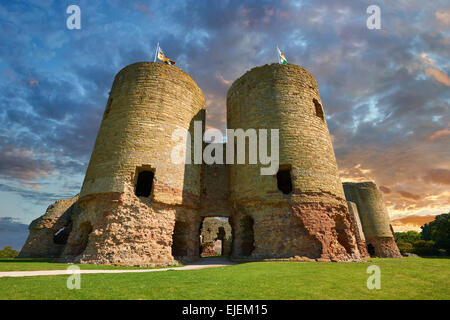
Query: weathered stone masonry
x=137 y=207
x=375 y=222
x=312 y=220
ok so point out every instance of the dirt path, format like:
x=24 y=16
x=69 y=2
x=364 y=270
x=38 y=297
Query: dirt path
x=202 y=264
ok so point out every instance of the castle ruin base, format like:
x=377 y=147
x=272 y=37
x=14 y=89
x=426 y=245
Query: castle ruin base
x=301 y=231
x=385 y=247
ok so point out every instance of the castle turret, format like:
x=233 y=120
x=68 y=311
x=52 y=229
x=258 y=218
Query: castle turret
x=374 y=218
x=300 y=210
x=133 y=193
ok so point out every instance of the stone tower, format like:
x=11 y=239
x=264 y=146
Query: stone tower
x=374 y=218
x=301 y=211
x=133 y=193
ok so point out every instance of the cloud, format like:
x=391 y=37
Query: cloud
x=409 y=195
x=12 y=233
x=21 y=163
x=142 y=7
x=34 y=195
x=438 y=176
x=439 y=134
x=385 y=190
x=412 y=222
x=438 y=76
x=443 y=16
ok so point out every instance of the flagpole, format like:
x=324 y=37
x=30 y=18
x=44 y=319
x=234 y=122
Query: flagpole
x=156 y=52
x=278 y=54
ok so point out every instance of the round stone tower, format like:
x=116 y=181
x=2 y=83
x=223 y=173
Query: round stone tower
x=133 y=193
x=374 y=218
x=300 y=211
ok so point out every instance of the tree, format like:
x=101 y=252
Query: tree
x=405 y=247
x=409 y=236
x=425 y=248
x=438 y=231
x=8 y=252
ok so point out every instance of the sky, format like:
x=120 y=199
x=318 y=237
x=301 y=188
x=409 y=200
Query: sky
x=386 y=92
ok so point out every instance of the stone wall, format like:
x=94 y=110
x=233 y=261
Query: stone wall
x=215 y=198
x=374 y=217
x=358 y=230
x=41 y=240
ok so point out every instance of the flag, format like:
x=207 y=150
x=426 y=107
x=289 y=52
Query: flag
x=281 y=58
x=162 y=56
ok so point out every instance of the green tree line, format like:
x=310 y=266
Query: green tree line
x=433 y=239
x=8 y=252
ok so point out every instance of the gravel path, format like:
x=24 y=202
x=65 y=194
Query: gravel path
x=202 y=264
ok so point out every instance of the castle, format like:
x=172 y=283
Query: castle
x=137 y=207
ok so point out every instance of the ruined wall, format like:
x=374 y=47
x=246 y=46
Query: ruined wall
x=215 y=192
x=148 y=101
x=41 y=240
x=214 y=229
x=374 y=217
x=357 y=229
x=313 y=220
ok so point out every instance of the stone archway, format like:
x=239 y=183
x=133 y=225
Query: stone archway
x=78 y=239
x=215 y=237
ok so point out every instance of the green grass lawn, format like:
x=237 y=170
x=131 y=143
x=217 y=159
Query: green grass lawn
x=8 y=264
x=407 y=278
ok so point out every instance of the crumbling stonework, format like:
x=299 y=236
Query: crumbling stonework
x=41 y=241
x=138 y=207
x=374 y=218
x=122 y=229
x=358 y=229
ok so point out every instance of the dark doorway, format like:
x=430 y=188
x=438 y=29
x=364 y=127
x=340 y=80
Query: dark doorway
x=144 y=183
x=83 y=236
x=248 y=237
x=215 y=237
x=284 y=181
x=371 y=250
x=62 y=235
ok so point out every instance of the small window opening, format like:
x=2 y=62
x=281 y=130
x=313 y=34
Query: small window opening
x=61 y=236
x=284 y=180
x=319 y=110
x=144 y=183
